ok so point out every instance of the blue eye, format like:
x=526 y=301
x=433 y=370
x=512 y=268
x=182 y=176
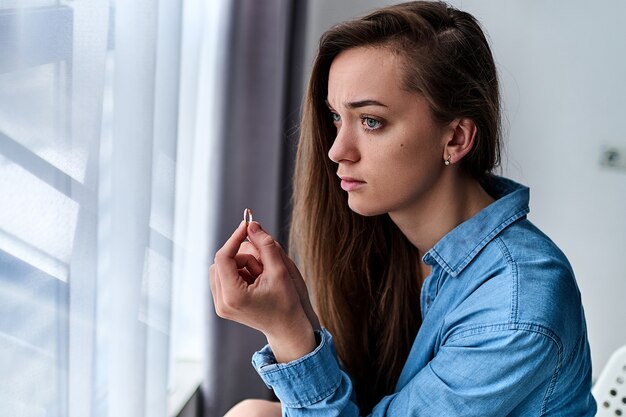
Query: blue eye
x=370 y=123
x=336 y=117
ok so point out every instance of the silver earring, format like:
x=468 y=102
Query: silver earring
x=447 y=161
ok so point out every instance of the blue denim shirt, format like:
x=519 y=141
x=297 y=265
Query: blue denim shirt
x=503 y=331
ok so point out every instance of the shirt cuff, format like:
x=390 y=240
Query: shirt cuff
x=304 y=381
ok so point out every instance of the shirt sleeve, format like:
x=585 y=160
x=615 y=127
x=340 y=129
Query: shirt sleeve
x=483 y=371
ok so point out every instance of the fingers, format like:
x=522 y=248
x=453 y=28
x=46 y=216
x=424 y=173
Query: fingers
x=225 y=262
x=215 y=289
x=247 y=247
x=272 y=305
x=236 y=261
x=231 y=247
x=269 y=252
x=247 y=276
x=224 y=273
x=302 y=290
x=245 y=260
x=228 y=294
x=212 y=281
x=249 y=268
x=294 y=273
x=291 y=267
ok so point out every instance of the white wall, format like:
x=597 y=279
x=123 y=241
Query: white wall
x=561 y=67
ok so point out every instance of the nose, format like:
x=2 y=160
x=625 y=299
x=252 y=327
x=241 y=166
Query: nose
x=344 y=147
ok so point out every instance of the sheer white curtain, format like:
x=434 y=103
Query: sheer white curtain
x=204 y=62
x=104 y=202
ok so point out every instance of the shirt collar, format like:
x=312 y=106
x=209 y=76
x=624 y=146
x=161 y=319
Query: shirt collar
x=457 y=248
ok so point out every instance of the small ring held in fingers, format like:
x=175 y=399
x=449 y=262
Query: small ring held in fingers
x=247 y=217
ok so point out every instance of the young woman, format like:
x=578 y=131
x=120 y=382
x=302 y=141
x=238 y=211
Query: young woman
x=436 y=295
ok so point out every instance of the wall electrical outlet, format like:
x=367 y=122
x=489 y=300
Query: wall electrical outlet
x=614 y=157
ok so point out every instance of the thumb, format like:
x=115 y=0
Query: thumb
x=269 y=252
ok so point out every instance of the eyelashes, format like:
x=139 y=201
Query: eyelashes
x=369 y=123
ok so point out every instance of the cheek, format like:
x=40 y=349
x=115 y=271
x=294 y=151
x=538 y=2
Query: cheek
x=407 y=167
x=402 y=161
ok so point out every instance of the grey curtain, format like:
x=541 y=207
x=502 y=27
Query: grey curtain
x=261 y=108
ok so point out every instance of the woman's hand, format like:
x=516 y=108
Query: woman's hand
x=262 y=293
x=298 y=281
x=303 y=292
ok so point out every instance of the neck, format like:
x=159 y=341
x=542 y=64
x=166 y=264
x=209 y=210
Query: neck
x=453 y=200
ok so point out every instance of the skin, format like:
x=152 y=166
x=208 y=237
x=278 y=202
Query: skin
x=256 y=284
x=390 y=153
x=402 y=159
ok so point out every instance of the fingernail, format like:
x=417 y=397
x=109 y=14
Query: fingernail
x=254 y=227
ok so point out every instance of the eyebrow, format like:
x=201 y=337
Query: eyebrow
x=360 y=103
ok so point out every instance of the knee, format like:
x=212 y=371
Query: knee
x=255 y=408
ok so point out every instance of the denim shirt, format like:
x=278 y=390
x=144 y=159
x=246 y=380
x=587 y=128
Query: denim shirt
x=503 y=331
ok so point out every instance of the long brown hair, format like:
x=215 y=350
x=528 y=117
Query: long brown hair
x=362 y=270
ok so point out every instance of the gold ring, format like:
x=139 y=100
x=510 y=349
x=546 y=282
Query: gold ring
x=247 y=216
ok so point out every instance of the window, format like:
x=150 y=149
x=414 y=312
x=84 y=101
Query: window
x=95 y=184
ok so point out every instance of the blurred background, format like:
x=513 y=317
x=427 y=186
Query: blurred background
x=133 y=133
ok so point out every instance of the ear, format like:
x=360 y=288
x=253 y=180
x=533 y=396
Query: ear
x=461 y=140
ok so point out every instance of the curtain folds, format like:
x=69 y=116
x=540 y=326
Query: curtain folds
x=260 y=110
x=92 y=219
x=130 y=143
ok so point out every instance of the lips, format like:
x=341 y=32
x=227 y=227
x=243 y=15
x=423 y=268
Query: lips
x=351 y=184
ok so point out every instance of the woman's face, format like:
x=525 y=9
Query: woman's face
x=389 y=150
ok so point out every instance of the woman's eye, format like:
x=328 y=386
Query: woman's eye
x=336 y=117
x=370 y=123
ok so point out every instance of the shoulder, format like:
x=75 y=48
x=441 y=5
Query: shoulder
x=539 y=281
x=541 y=274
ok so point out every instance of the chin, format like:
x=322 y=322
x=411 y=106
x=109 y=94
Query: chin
x=366 y=210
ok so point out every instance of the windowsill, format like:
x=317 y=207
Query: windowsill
x=188 y=378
